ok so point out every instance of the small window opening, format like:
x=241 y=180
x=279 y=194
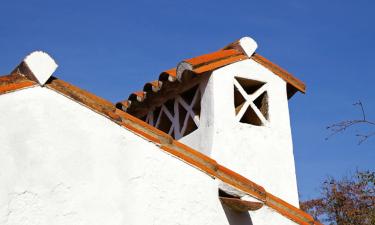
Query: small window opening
x=251 y=101
x=249 y=86
x=262 y=104
x=197 y=105
x=179 y=116
x=239 y=100
x=190 y=126
x=156 y=114
x=170 y=106
x=164 y=123
x=251 y=117
x=188 y=95
x=182 y=115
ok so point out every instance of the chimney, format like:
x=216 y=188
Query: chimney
x=231 y=105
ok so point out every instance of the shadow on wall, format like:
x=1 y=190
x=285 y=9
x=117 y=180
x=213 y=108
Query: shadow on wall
x=236 y=218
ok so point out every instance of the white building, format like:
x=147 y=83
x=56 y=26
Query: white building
x=70 y=157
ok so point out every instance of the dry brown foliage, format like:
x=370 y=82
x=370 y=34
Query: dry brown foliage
x=349 y=201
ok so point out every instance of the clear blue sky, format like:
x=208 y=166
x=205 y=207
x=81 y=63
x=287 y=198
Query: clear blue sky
x=113 y=47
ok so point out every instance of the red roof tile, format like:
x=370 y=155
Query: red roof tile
x=194 y=67
x=14 y=82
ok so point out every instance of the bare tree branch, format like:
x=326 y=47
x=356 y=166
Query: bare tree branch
x=364 y=137
x=343 y=125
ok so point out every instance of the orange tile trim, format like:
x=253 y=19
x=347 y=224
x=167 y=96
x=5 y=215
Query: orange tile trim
x=285 y=75
x=289 y=210
x=220 y=63
x=212 y=57
x=168 y=144
x=14 y=82
x=242 y=183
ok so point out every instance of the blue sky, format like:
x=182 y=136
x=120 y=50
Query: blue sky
x=113 y=47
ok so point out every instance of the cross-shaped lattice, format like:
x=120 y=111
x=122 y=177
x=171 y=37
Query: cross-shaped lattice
x=189 y=113
x=249 y=99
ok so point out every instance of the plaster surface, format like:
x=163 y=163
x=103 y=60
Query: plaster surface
x=61 y=163
x=263 y=154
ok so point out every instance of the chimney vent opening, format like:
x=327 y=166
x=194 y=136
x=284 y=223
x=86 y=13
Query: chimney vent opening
x=178 y=116
x=251 y=101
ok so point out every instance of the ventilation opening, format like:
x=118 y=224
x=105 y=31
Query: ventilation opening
x=248 y=110
x=156 y=114
x=179 y=116
x=239 y=100
x=164 y=123
x=251 y=117
x=249 y=86
x=262 y=104
x=170 y=106
x=190 y=126
x=188 y=95
x=182 y=115
x=197 y=105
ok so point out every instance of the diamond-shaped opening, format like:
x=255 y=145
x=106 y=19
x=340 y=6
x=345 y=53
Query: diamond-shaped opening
x=189 y=94
x=239 y=100
x=170 y=106
x=164 y=123
x=156 y=114
x=190 y=126
x=197 y=105
x=182 y=115
x=251 y=117
x=250 y=86
x=262 y=103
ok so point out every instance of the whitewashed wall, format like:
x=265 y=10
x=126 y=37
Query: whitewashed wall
x=61 y=163
x=264 y=154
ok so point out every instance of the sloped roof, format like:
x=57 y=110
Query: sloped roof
x=188 y=72
x=17 y=81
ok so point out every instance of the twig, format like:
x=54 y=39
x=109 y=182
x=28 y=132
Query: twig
x=343 y=125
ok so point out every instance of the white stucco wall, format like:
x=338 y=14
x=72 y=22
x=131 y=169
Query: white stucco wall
x=61 y=163
x=263 y=154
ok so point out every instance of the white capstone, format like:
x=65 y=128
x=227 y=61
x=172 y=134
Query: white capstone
x=41 y=65
x=248 y=45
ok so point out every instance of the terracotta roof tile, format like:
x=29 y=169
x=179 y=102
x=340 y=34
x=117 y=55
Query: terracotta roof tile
x=138 y=96
x=214 y=57
x=289 y=78
x=168 y=75
x=14 y=82
x=154 y=86
x=187 y=70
